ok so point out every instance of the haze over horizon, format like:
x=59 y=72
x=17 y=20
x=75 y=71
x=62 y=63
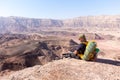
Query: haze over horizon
x=58 y=9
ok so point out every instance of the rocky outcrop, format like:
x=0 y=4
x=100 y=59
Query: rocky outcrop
x=69 y=69
x=28 y=53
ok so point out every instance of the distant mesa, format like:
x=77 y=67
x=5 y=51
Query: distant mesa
x=21 y=24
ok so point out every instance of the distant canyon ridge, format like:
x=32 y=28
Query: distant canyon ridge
x=20 y=24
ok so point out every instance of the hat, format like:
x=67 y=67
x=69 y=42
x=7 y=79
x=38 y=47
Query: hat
x=82 y=36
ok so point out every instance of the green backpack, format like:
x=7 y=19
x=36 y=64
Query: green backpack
x=90 y=51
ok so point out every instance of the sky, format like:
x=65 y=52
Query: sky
x=58 y=9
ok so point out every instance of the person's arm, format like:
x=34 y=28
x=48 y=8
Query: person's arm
x=77 y=49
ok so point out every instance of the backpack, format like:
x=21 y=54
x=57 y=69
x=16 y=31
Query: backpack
x=90 y=51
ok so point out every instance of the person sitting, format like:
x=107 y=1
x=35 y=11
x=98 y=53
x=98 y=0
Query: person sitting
x=79 y=51
x=86 y=50
x=81 y=47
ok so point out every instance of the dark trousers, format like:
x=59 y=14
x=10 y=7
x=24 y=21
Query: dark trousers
x=70 y=55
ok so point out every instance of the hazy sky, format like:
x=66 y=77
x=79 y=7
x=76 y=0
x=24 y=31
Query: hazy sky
x=58 y=9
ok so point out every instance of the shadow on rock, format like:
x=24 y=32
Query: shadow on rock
x=108 y=61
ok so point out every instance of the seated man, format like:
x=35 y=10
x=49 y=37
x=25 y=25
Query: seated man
x=85 y=50
x=79 y=50
x=81 y=47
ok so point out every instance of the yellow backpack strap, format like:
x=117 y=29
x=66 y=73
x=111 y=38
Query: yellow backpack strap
x=85 y=43
x=81 y=55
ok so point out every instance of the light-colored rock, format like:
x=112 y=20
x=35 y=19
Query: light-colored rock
x=69 y=69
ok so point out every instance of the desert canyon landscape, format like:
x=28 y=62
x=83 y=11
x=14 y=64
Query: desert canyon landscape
x=31 y=48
